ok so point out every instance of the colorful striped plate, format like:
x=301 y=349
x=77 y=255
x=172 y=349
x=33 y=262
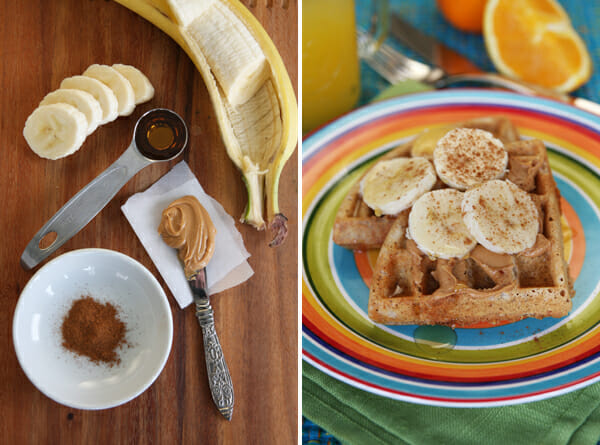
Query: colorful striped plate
x=475 y=366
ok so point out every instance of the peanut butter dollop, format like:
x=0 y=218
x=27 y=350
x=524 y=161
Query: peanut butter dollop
x=187 y=227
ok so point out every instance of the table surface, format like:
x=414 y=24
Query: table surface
x=40 y=44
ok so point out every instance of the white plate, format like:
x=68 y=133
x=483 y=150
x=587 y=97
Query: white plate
x=107 y=276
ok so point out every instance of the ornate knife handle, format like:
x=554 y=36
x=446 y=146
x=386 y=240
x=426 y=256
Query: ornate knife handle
x=219 y=379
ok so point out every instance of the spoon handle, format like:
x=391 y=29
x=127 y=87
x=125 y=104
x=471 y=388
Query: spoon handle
x=81 y=208
x=219 y=379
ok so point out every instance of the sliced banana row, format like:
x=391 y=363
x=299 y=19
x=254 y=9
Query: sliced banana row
x=81 y=104
x=497 y=214
x=448 y=223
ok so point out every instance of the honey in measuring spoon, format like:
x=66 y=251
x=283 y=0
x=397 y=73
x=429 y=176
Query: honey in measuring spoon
x=160 y=136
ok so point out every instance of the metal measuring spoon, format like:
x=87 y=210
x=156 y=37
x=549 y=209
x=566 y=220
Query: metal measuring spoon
x=159 y=135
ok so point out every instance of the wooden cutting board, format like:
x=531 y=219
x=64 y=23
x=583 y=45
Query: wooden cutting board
x=42 y=42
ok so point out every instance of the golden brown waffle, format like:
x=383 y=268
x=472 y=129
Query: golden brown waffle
x=410 y=288
x=356 y=226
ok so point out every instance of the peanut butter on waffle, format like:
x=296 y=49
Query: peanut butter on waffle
x=413 y=285
x=409 y=287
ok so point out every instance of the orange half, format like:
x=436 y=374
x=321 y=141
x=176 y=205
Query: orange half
x=533 y=40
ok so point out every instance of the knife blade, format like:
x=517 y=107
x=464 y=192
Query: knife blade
x=432 y=50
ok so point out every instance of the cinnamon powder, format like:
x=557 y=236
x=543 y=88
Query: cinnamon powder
x=93 y=329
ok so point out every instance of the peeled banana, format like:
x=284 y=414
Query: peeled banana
x=250 y=89
x=235 y=58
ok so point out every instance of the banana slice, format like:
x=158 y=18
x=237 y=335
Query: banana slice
x=425 y=143
x=143 y=90
x=81 y=100
x=56 y=130
x=436 y=225
x=394 y=185
x=103 y=94
x=117 y=83
x=500 y=216
x=465 y=157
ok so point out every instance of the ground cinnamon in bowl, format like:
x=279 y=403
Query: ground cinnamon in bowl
x=94 y=329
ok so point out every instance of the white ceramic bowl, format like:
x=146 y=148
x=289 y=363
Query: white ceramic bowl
x=107 y=276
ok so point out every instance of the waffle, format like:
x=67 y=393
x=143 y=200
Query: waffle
x=356 y=227
x=410 y=288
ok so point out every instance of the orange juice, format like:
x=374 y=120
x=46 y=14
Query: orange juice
x=330 y=69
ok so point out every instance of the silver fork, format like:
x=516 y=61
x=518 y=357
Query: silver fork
x=285 y=4
x=395 y=67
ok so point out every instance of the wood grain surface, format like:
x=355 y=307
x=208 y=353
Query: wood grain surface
x=42 y=42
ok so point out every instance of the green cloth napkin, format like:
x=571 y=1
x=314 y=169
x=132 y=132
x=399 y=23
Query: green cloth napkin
x=357 y=417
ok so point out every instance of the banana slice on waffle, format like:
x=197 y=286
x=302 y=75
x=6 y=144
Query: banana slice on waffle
x=425 y=143
x=358 y=226
x=501 y=217
x=465 y=157
x=436 y=225
x=394 y=185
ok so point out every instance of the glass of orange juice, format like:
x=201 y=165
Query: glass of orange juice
x=330 y=57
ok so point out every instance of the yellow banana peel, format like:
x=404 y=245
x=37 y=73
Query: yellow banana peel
x=262 y=183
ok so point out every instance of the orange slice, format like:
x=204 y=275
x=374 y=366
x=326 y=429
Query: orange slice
x=466 y=15
x=533 y=40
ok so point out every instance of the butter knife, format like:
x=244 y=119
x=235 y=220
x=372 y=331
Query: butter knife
x=219 y=379
x=455 y=68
